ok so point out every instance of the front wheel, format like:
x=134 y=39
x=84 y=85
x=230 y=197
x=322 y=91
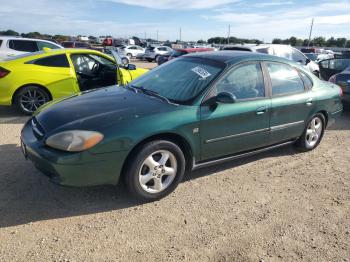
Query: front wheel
x=313 y=133
x=155 y=171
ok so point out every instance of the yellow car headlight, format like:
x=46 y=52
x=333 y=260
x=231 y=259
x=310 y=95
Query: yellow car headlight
x=74 y=140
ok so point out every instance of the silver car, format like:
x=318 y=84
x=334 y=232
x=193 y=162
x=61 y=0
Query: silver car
x=285 y=51
x=154 y=52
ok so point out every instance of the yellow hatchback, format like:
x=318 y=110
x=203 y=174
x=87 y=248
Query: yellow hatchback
x=28 y=81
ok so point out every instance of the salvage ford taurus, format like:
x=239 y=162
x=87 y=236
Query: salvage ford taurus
x=194 y=111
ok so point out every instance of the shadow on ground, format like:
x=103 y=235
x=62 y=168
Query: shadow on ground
x=28 y=196
x=8 y=115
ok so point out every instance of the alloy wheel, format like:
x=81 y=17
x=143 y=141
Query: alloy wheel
x=314 y=132
x=32 y=99
x=158 y=171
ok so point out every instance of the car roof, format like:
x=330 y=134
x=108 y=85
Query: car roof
x=231 y=57
x=24 y=38
x=49 y=52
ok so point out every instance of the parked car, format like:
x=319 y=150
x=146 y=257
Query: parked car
x=132 y=51
x=28 y=81
x=342 y=79
x=318 y=57
x=194 y=111
x=76 y=44
x=12 y=46
x=284 y=51
x=330 y=67
x=153 y=53
x=180 y=52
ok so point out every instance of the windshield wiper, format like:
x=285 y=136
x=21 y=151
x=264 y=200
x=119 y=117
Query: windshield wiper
x=151 y=93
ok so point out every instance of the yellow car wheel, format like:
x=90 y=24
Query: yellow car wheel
x=30 y=98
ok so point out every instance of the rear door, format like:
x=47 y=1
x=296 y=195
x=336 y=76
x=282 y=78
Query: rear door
x=292 y=101
x=236 y=127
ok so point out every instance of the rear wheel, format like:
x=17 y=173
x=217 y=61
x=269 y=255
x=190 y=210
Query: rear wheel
x=129 y=55
x=156 y=58
x=30 y=98
x=155 y=171
x=313 y=133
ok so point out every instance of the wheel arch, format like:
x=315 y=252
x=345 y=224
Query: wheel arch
x=325 y=114
x=30 y=84
x=168 y=136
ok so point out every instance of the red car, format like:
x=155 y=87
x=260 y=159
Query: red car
x=181 y=52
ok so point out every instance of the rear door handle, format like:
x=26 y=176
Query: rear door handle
x=261 y=110
x=309 y=102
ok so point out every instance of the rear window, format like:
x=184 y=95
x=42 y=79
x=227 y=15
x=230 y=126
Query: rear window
x=23 y=45
x=53 y=61
x=235 y=48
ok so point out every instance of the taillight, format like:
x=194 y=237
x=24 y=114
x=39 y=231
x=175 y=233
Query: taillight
x=341 y=92
x=3 y=72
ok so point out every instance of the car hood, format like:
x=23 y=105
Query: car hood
x=94 y=110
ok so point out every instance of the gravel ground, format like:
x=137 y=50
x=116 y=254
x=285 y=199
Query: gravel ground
x=276 y=206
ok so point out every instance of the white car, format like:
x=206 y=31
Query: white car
x=153 y=53
x=132 y=50
x=284 y=51
x=12 y=46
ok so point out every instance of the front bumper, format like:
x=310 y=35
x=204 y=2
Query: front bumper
x=72 y=169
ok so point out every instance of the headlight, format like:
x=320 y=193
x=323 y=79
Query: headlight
x=74 y=140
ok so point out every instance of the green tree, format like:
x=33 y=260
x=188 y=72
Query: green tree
x=9 y=33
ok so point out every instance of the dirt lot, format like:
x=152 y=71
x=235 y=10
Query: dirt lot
x=277 y=206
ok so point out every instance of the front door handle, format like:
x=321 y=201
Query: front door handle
x=261 y=110
x=309 y=102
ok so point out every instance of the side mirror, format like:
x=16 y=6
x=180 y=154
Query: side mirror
x=308 y=60
x=226 y=98
x=131 y=67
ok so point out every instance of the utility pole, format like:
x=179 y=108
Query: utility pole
x=228 y=35
x=180 y=34
x=312 y=25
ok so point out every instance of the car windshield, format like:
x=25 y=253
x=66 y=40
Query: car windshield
x=178 y=53
x=312 y=56
x=180 y=80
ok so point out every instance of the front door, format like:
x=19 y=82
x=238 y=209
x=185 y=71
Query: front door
x=240 y=126
x=291 y=103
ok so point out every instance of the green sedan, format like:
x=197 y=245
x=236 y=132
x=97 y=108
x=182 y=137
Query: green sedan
x=198 y=110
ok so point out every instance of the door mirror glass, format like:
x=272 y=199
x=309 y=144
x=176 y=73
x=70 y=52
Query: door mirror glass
x=226 y=98
x=131 y=67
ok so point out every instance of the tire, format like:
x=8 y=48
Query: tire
x=129 y=55
x=150 y=178
x=312 y=135
x=156 y=58
x=30 y=98
x=149 y=59
x=125 y=60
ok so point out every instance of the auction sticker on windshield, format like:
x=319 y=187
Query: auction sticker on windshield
x=201 y=72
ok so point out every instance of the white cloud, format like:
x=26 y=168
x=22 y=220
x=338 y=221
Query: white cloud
x=274 y=3
x=176 y=4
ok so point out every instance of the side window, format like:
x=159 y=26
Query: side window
x=41 y=45
x=298 y=57
x=23 y=45
x=244 y=82
x=284 y=79
x=283 y=51
x=53 y=61
x=307 y=81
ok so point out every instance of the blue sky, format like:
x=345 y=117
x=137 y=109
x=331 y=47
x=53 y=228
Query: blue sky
x=199 y=19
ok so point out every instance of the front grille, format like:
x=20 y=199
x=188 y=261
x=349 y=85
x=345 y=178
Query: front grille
x=37 y=128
